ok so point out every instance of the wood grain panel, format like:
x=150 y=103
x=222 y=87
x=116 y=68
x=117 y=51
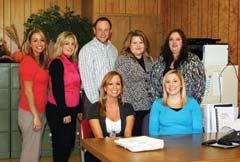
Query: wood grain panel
x=184 y=17
x=17 y=18
x=238 y=49
x=27 y=11
x=161 y=22
x=134 y=6
x=194 y=18
x=172 y=14
x=6 y=21
x=188 y=32
x=62 y=4
x=112 y=6
x=233 y=31
x=87 y=9
x=210 y=18
x=164 y=16
x=77 y=7
x=102 y=6
x=168 y=17
x=178 y=14
x=151 y=7
x=1 y=18
x=204 y=12
x=35 y=7
x=122 y=6
x=96 y=9
x=215 y=19
x=224 y=20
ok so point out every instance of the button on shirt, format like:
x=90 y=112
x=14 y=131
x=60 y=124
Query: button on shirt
x=95 y=60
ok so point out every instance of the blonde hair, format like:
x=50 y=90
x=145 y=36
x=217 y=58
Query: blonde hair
x=61 y=40
x=126 y=44
x=44 y=57
x=102 y=97
x=183 y=87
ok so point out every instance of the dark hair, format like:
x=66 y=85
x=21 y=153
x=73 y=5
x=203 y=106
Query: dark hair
x=167 y=53
x=102 y=19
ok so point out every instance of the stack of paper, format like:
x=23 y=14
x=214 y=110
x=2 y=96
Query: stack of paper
x=217 y=116
x=141 y=143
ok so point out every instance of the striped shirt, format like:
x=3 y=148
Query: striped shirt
x=95 y=60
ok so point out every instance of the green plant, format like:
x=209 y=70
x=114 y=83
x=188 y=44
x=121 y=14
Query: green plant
x=52 y=22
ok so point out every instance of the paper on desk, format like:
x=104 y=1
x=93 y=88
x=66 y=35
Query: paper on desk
x=141 y=143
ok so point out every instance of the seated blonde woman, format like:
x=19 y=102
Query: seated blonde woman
x=110 y=116
x=175 y=113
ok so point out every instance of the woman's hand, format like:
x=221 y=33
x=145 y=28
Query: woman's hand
x=67 y=119
x=37 y=124
x=80 y=116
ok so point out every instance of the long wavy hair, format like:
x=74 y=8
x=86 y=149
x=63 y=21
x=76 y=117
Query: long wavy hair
x=62 y=39
x=103 y=95
x=183 y=87
x=167 y=54
x=127 y=42
x=44 y=57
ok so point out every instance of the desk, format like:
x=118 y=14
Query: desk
x=184 y=148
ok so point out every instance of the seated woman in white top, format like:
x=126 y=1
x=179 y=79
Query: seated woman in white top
x=111 y=116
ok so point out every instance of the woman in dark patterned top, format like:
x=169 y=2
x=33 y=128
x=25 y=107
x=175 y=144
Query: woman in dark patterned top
x=134 y=65
x=175 y=55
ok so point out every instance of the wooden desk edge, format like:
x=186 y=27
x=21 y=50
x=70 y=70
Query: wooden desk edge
x=94 y=151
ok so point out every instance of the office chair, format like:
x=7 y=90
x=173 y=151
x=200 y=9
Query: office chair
x=85 y=132
x=145 y=125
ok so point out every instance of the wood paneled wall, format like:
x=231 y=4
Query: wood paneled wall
x=17 y=12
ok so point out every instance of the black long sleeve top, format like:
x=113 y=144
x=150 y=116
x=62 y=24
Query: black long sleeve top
x=56 y=70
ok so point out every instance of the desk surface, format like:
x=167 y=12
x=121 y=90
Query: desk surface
x=183 y=148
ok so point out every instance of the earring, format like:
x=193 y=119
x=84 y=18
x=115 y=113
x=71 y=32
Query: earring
x=120 y=97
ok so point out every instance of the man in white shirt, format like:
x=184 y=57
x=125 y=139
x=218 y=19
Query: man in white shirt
x=96 y=58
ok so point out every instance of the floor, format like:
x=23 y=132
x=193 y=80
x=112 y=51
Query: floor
x=73 y=158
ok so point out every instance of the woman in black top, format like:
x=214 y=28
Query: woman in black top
x=111 y=116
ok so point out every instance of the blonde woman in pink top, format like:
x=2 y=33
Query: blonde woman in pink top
x=63 y=100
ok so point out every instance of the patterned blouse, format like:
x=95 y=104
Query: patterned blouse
x=193 y=73
x=136 y=81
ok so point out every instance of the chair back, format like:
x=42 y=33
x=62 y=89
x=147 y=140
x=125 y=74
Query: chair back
x=85 y=129
x=145 y=125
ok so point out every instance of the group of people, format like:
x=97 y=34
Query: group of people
x=117 y=91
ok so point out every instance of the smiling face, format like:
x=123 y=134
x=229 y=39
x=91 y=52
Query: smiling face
x=173 y=84
x=102 y=31
x=113 y=88
x=175 y=43
x=38 y=44
x=68 y=47
x=137 y=46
